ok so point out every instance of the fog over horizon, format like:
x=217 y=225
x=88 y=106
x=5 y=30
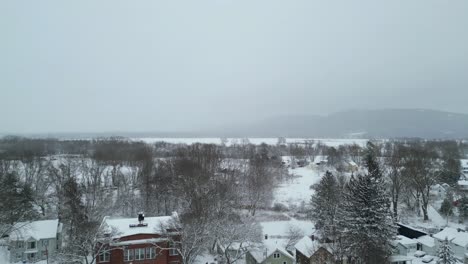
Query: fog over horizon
x=98 y=66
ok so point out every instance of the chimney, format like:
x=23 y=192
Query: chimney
x=266 y=236
x=141 y=217
x=312 y=237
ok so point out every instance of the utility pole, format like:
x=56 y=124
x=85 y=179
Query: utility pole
x=47 y=251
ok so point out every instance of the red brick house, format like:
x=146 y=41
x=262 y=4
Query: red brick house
x=138 y=240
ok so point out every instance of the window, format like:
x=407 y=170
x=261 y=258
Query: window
x=32 y=245
x=150 y=253
x=172 y=249
x=19 y=244
x=19 y=256
x=276 y=255
x=128 y=254
x=139 y=254
x=45 y=243
x=284 y=262
x=104 y=256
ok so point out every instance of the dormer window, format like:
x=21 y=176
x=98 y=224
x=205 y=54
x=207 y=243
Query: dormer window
x=32 y=245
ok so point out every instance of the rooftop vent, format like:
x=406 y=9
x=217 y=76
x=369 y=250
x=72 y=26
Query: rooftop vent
x=141 y=218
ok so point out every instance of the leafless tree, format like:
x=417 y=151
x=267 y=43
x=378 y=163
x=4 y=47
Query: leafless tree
x=236 y=236
x=394 y=164
x=420 y=170
x=189 y=238
x=259 y=182
x=93 y=241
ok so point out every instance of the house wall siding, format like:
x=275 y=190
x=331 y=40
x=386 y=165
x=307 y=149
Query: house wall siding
x=249 y=259
x=458 y=251
x=301 y=259
x=51 y=248
x=321 y=256
x=162 y=256
x=283 y=258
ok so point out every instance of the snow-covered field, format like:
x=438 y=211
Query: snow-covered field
x=296 y=191
x=257 y=141
x=4 y=255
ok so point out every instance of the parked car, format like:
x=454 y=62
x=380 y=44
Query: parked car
x=419 y=254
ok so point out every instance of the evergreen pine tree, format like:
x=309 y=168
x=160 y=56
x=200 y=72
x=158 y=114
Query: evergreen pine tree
x=74 y=214
x=365 y=219
x=445 y=253
x=16 y=202
x=325 y=202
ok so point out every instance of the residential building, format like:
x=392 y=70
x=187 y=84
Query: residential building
x=404 y=246
x=463 y=183
x=458 y=240
x=269 y=255
x=426 y=244
x=34 y=241
x=400 y=259
x=139 y=240
x=464 y=166
x=311 y=251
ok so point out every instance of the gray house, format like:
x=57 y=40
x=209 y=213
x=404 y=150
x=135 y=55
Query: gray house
x=34 y=241
x=265 y=255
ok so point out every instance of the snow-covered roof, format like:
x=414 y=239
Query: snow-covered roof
x=122 y=226
x=139 y=241
x=454 y=235
x=320 y=158
x=400 y=258
x=463 y=182
x=464 y=163
x=37 y=230
x=308 y=247
x=268 y=247
x=426 y=240
x=405 y=241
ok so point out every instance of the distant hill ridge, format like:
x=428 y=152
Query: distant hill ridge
x=385 y=123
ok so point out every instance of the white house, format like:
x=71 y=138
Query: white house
x=426 y=244
x=464 y=166
x=34 y=241
x=458 y=241
x=463 y=182
x=404 y=246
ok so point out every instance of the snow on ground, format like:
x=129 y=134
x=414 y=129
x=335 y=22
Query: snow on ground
x=282 y=228
x=206 y=258
x=297 y=191
x=436 y=221
x=332 y=142
x=4 y=255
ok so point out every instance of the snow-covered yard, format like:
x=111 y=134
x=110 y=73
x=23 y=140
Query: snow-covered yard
x=297 y=191
x=4 y=255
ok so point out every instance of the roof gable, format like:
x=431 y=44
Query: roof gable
x=37 y=230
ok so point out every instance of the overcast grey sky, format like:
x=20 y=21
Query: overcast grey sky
x=168 y=65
